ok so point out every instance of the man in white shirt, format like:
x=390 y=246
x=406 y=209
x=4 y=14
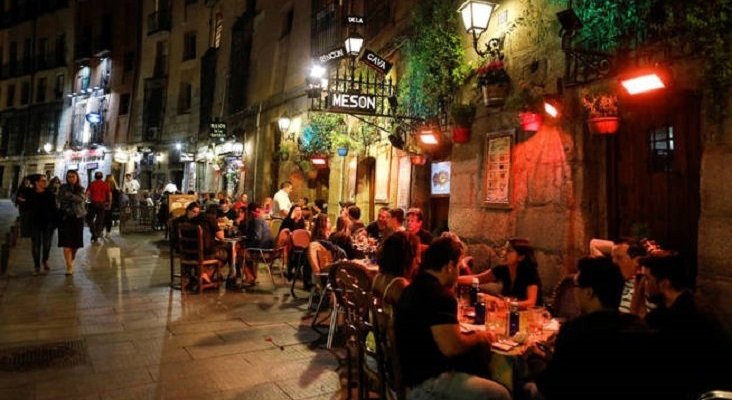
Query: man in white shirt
x=170 y=188
x=281 y=202
x=131 y=187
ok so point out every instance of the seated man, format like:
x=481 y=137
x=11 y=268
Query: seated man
x=396 y=220
x=625 y=254
x=225 y=210
x=354 y=214
x=414 y=226
x=603 y=353
x=693 y=346
x=428 y=334
x=379 y=229
x=258 y=236
x=211 y=232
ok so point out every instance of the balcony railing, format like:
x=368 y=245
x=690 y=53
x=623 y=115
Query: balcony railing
x=158 y=21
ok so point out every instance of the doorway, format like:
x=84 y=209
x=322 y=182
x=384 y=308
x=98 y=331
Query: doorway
x=654 y=169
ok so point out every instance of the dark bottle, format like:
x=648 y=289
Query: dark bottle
x=479 y=313
x=513 y=319
x=473 y=292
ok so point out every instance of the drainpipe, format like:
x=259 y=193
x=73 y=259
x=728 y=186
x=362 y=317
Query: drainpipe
x=256 y=153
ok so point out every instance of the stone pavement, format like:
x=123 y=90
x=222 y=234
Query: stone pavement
x=136 y=338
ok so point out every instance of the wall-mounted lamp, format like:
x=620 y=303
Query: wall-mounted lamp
x=48 y=147
x=644 y=81
x=475 y=15
x=284 y=124
x=552 y=106
x=316 y=81
x=354 y=43
x=318 y=161
x=178 y=146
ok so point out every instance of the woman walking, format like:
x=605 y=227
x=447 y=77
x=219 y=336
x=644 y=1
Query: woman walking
x=112 y=214
x=41 y=206
x=71 y=227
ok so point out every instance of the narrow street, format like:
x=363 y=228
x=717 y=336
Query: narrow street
x=115 y=330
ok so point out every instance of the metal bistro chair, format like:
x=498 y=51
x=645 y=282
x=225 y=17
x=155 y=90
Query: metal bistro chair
x=192 y=256
x=390 y=370
x=319 y=258
x=299 y=239
x=268 y=257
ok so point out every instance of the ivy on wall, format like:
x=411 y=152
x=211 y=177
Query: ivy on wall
x=434 y=57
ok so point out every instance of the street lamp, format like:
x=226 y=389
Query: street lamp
x=476 y=14
x=354 y=43
x=316 y=81
x=47 y=147
x=284 y=124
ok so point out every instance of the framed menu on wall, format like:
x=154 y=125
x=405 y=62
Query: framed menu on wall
x=497 y=167
x=404 y=182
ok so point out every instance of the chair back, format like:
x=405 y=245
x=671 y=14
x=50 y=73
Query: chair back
x=274 y=226
x=300 y=239
x=190 y=241
x=352 y=287
x=386 y=351
x=564 y=304
x=319 y=257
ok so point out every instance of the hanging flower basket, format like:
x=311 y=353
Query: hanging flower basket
x=460 y=134
x=603 y=125
x=494 y=95
x=530 y=121
x=418 y=159
x=342 y=151
x=312 y=174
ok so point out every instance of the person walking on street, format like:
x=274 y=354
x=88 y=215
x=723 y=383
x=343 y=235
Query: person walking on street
x=71 y=227
x=41 y=204
x=100 y=196
x=24 y=191
x=112 y=214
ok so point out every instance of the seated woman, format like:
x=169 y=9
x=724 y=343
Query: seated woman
x=398 y=259
x=520 y=275
x=294 y=219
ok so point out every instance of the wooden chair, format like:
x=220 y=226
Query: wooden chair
x=319 y=258
x=192 y=256
x=300 y=240
x=390 y=370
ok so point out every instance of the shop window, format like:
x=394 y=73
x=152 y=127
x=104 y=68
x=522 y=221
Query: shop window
x=189 y=46
x=662 y=149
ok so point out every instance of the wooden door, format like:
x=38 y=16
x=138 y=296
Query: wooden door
x=653 y=171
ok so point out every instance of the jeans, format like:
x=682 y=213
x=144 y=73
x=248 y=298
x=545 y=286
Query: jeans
x=41 y=237
x=458 y=386
x=96 y=219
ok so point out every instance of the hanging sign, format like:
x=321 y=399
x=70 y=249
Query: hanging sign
x=332 y=55
x=374 y=61
x=352 y=103
x=186 y=157
x=144 y=149
x=355 y=19
x=218 y=130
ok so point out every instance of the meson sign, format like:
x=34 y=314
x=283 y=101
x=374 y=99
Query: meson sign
x=353 y=103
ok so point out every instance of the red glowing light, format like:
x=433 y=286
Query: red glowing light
x=551 y=110
x=428 y=137
x=643 y=83
x=318 y=161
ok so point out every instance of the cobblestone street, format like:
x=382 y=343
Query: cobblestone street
x=138 y=339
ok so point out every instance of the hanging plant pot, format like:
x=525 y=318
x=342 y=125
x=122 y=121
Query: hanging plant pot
x=603 y=125
x=418 y=159
x=530 y=121
x=312 y=174
x=342 y=151
x=460 y=134
x=494 y=95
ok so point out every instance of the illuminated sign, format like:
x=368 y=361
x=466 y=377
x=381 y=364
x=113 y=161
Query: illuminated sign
x=355 y=103
x=355 y=19
x=333 y=55
x=94 y=118
x=218 y=130
x=374 y=61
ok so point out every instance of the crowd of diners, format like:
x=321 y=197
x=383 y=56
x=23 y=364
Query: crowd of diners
x=640 y=333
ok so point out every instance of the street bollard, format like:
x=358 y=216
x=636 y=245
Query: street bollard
x=4 y=258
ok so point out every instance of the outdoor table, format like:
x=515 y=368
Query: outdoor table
x=233 y=241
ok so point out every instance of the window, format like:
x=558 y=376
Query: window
x=184 y=98
x=124 y=104
x=662 y=149
x=189 y=46
x=10 y=100
x=41 y=90
x=84 y=77
x=58 y=90
x=129 y=61
x=25 y=93
x=218 y=30
x=42 y=50
x=287 y=19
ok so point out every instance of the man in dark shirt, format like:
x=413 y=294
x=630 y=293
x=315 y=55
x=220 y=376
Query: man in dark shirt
x=414 y=226
x=211 y=232
x=379 y=229
x=603 y=353
x=428 y=333
x=258 y=236
x=694 y=354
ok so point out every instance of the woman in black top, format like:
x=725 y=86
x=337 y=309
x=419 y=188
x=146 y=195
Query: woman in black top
x=519 y=277
x=41 y=205
x=294 y=219
x=71 y=201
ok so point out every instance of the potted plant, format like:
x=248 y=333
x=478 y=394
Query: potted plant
x=528 y=99
x=494 y=82
x=342 y=142
x=462 y=115
x=602 y=112
x=285 y=150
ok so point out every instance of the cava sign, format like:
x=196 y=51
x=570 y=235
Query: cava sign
x=352 y=103
x=374 y=61
x=333 y=55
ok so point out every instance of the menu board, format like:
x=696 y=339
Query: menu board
x=404 y=182
x=497 y=167
x=383 y=166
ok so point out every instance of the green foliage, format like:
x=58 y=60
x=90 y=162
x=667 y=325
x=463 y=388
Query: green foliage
x=434 y=58
x=318 y=133
x=462 y=113
x=599 y=101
